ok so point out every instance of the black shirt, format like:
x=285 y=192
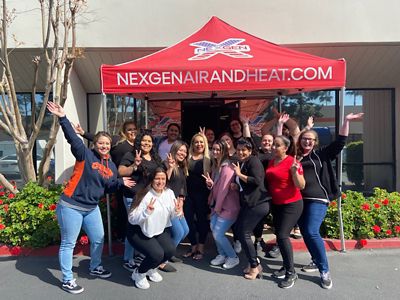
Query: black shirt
x=141 y=176
x=196 y=184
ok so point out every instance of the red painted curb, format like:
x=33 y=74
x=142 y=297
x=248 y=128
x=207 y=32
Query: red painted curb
x=118 y=248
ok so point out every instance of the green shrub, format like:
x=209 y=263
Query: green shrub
x=377 y=216
x=28 y=218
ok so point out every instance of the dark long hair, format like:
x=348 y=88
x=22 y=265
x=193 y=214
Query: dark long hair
x=183 y=164
x=140 y=195
x=225 y=154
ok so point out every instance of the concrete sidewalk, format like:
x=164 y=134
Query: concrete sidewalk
x=359 y=274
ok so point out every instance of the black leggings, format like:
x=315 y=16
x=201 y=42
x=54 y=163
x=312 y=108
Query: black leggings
x=156 y=250
x=196 y=212
x=246 y=222
x=285 y=217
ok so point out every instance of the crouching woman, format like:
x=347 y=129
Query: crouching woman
x=148 y=230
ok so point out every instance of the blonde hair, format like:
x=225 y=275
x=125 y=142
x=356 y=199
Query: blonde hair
x=206 y=153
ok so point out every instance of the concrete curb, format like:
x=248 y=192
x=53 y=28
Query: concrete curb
x=118 y=248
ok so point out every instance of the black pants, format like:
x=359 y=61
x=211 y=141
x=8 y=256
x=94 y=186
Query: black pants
x=196 y=212
x=285 y=217
x=246 y=222
x=156 y=250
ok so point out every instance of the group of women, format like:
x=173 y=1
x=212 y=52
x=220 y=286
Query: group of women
x=192 y=191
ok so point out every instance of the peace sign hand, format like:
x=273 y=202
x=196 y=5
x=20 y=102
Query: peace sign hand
x=138 y=158
x=202 y=130
x=178 y=206
x=209 y=181
x=150 y=206
x=171 y=161
x=295 y=166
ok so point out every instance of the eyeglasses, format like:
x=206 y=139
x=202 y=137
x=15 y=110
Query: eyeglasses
x=308 y=139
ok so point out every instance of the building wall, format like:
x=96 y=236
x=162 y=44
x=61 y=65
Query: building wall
x=76 y=110
x=116 y=23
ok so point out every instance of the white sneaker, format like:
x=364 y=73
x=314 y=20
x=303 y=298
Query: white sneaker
x=140 y=280
x=237 y=246
x=218 y=260
x=231 y=262
x=154 y=275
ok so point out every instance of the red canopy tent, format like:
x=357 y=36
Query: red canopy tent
x=222 y=61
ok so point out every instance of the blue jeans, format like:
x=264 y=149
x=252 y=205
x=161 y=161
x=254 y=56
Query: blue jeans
x=219 y=226
x=179 y=229
x=129 y=251
x=310 y=222
x=71 y=221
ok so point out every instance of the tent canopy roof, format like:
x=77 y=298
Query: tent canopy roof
x=221 y=61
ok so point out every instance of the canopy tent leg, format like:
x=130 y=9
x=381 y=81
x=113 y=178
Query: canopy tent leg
x=104 y=112
x=146 y=114
x=340 y=174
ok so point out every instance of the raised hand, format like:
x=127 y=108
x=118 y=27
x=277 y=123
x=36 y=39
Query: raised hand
x=150 y=206
x=283 y=118
x=128 y=182
x=178 y=206
x=310 y=122
x=245 y=119
x=236 y=168
x=209 y=181
x=352 y=116
x=138 y=158
x=295 y=166
x=78 y=129
x=55 y=109
x=202 y=130
x=171 y=161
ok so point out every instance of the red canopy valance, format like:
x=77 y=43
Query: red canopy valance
x=222 y=61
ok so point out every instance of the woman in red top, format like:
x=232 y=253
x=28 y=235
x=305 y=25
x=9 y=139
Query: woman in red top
x=285 y=180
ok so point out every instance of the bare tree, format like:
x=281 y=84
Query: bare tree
x=57 y=57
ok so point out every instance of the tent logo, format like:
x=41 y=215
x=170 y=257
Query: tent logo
x=229 y=47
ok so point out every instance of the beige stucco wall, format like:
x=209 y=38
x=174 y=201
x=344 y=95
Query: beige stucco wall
x=144 y=23
x=76 y=110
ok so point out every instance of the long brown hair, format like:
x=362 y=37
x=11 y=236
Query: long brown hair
x=142 y=193
x=299 y=152
x=182 y=164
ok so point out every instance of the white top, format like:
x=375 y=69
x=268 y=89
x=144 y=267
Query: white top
x=164 y=210
x=163 y=149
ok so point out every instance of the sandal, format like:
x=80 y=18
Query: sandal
x=190 y=253
x=198 y=255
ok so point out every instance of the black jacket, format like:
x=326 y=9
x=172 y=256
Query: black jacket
x=324 y=156
x=254 y=191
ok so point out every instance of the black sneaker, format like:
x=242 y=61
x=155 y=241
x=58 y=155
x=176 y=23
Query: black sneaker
x=274 y=252
x=167 y=268
x=288 y=281
x=175 y=259
x=326 y=280
x=311 y=267
x=280 y=274
x=71 y=287
x=128 y=266
x=100 y=272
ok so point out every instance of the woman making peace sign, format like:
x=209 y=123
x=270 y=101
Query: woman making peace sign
x=151 y=213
